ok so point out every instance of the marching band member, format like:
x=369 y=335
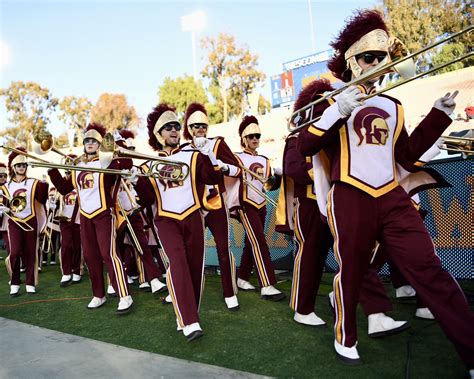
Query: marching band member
x=51 y=233
x=69 y=225
x=3 y=219
x=298 y=215
x=96 y=192
x=253 y=214
x=195 y=129
x=31 y=216
x=178 y=219
x=370 y=154
x=149 y=273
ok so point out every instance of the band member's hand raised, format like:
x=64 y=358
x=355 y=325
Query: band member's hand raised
x=446 y=103
x=202 y=144
x=349 y=99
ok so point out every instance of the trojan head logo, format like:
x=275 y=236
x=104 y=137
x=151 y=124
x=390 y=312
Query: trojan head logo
x=70 y=198
x=20 y=192
x=258 y=169
x=370 y=125
x=167 y=173
x=85 y=180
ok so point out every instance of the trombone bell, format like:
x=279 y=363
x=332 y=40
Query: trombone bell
x=398 y=51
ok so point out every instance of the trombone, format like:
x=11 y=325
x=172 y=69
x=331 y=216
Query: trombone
x=123 y=212
x=265 y=181
x=261 y=193
x=17 y=204
x=43 y=142
x=459 y=144
x=303 y=117
x=163 y=168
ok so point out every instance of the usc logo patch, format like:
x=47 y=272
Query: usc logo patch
x=370 y=126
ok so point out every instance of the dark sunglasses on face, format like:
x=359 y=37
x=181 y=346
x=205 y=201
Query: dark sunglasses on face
x=170 y=127
x=3 y=176
x=198 y=126
x=90 y=140
x=252 y=136
x=371 y=57
x=21 y=165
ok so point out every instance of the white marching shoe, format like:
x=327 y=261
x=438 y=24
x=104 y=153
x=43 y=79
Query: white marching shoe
x=381 y=325
x=271 y=293
x=331 y=299
x=145 y=286
x=244 y=285
x=348 y=355
x=111 y=291
x=179 y=328
x=405 y=291
x=30 y=290
x=232 y=303
x=167 y=300
x=193 y=331
x=76 y=278
x=157 y=286
x=310 y=319
x=65 y=280
x=96 y=302
x=14 y=290
x=125 y=305
x=424 y=313
x=130 y=280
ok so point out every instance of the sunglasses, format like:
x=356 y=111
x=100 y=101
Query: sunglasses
x=90 y=140
x=3 y=176
x=170 y=127
x=21 y=165
x=199 y=126
x=252 y=136
x=371 y=57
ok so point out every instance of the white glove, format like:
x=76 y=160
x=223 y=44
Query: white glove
x=278 y=171
x=446 y=103
x=223 y=166
x=44 y=177
x=349 y=99
x=131 y=175
x=202 y=144
x=3 y=209
x=52 y=206
x=117 y=136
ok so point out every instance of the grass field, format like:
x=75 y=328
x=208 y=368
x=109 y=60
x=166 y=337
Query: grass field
x=261 y=338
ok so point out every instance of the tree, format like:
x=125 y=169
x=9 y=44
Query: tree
x=75 y=112
x=420 y=23
x=114 y=113
x=29 y=106
x=181 y=92
x=232 y=70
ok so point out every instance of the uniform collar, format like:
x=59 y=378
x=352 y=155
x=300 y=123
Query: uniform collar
x=365 y=90
x=248 y=151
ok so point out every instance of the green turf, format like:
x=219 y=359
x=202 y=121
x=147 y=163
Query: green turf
x=261 y=338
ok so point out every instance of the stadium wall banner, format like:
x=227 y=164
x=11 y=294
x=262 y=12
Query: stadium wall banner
x=449 y=221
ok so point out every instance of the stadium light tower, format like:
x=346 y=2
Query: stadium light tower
x=311 y=26
x=193 y=22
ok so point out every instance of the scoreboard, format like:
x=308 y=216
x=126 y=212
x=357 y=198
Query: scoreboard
x=296 y=75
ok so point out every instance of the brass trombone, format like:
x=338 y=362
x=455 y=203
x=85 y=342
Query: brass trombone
x=261 y=193
x=303 y=117
x=165 y=169
x=16 y=205
x=43 y=142
x=459 y=142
